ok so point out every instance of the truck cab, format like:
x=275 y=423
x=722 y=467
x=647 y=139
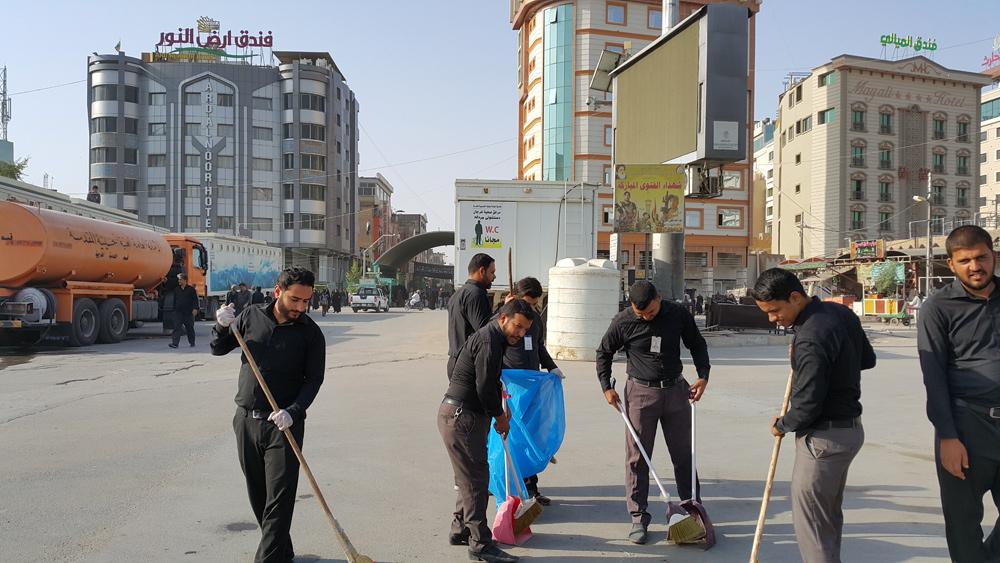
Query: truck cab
x=369 y=298
x=190 y=258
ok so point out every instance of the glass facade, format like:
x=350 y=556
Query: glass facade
x=989 y=110
x=557 y=95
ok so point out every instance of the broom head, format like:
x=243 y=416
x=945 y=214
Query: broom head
x=526 y=514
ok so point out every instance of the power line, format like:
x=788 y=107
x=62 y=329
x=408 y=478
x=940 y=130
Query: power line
x=48 y=87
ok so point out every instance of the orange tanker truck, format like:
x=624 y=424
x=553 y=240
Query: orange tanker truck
x=85 y=279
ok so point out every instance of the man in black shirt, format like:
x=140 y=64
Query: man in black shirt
x=290 y=351
x=651 y=332
x=185 y=310
x=469 y=308
x=530 y=354
x=473 y=397
x=828 y=353
x=94 y=196
x=959 y=345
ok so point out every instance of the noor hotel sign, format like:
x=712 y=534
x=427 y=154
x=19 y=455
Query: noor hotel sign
x=206 y=42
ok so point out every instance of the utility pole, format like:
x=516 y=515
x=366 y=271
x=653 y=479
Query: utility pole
x=930 y=239
x=667 y=249
x=4 y=104
x=802 y=251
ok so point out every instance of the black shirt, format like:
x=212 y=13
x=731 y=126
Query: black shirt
x=520 y=357
x=185 y=300
x=958 y=340
x=671 y=325
x=468 y=311
x=257 y=298
x=291 y=357
x=829 y=351
x=476 y=378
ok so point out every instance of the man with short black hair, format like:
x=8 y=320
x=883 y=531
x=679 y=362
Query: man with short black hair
x=290 y=351
x=651 y=331
x=185 y=311
x=469 y=307
x=828 y=353
x=94 y=196
x=959 y=353
x=473 y=398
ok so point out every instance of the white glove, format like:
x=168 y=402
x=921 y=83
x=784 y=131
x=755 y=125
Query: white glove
x=281 y=419
x=225 y=315
x=558 y=373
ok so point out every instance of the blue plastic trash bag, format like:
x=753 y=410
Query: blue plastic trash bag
x=537 y=426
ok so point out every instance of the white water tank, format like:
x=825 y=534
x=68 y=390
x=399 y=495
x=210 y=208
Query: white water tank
x=583 y=298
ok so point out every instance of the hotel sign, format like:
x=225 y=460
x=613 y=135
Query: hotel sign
x=209 y=157
x=899 y=41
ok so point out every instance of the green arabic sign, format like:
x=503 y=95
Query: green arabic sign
x=898 y=41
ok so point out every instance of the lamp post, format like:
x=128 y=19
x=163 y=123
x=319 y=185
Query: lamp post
x=930 y=240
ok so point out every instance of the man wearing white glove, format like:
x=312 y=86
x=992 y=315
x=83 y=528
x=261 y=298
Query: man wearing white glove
x=290 y=351
x=530 y=354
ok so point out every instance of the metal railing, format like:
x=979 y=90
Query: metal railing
x=885 y=164
x=857 y=195
x=885 y=129
x=858 y=161
x=885 y=197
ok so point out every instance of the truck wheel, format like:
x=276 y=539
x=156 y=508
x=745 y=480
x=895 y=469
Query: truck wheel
x=86 y=323
x=355 y=309
x=114 y=321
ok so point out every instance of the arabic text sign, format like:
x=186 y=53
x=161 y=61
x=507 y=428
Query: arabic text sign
x=214 y=40
x=868 y=249
x=487 y=225
x=904 y=42
x=649 y=198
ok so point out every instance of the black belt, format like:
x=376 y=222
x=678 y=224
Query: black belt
x=989 y=412
x=836 y=423
x=453 y=402
x=657 y=384
x=460 y=405
x=254 y=413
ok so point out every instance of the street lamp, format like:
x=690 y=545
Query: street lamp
x=927 y=269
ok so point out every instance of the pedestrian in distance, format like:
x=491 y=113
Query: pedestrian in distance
x=469 y=308
x=290 y=351
x=651 y=331
x=231 y=295
x=185 y=311
x=268 y=298
x=959 y=353
x=243 y=298
x=94 y=196
x=530 y=354
x=324 y=301
x=827 y=354
x=463 y=419
x=257 y=297
x=338 y=300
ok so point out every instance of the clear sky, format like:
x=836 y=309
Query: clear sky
x=433 y=77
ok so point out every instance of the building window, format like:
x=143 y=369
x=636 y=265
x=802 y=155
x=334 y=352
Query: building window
x=225 y=130
x=192 y=222
x=939 y=163
x=857 y=120
x=262 y=224
x=963 y=132
x=609 y=135
x=730 y=218
x=131 y=94
x=884 y=220
x=937 y=195
x=262 y=194
x=192 y=129
x=857 y=189
x=827 y=79
x=857 y=220
x=314 y=192
x=224 y=223
x=105 y=185
x=313 y=132
x=224 y=100
x=770 y=173
x=157 y=220
x=157 y=190
x=313 y=102
x=225 y=192
x=798 y=158
x=826 y=116
x=288 y=221
x=262 y=103
x=311 y=221
x=130 y=156
x=798 y=219
x=313 y=162
x=157 y=98
x=103 y=154
x=192 y=191
x=192 y=160
x=982 y=157
x=263 y=134
x=263 y=164
x=996 y=178
x=288 y=161
x=885 y=123
x=288 y=191
x=939 y=129
x=654 y=19
x=338 y=147
x=885 y=159
x=982 y=135
x=615 y=14
x=157 y=129
x=338 y=92
x=962 y=165
x=104 y=125
x=769 y=211
x=858 y=156
x=884 y=192
x=104 y=92
x=962 y=197
x=225 y=162
x=156 y=160
x=288 y=101
x=798 y=93
x=798 y=188
x=192 y=99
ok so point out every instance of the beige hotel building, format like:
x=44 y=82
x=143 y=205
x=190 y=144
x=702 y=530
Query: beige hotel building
x=856 y=141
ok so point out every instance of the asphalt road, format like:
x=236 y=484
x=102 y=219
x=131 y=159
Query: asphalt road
x=125 y=453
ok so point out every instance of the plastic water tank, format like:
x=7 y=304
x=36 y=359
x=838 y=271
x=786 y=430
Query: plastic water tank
x=583 y=298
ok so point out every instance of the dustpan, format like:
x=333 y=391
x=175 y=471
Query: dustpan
x=692 y=507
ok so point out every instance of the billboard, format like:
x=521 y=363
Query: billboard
x=649 y=198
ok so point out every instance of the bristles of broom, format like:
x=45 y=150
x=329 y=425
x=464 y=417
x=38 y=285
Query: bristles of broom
x=526 y=514
x=687 y=530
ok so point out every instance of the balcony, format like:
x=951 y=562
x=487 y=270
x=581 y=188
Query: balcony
x=858 y=127
x=963 y=138
x=939 y=168
x=858 y=161
x=857 y=195
x=962 y=202
x=937 y=199
x=857 y=225
x=885 y=129
x=885 y=164
x=884 y=227
x=885 y=197
x=962 y=171
x=938 y=135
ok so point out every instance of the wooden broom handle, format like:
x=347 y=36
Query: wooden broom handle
x=770 y=475
x=510 y=270
x=345 y=542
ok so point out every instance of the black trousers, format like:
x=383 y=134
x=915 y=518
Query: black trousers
x=183 y=321
x=962 y=501
x=272 y=475
x=465 y=435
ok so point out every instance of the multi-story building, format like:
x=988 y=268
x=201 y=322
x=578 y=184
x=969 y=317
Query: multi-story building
x=375 y=215
x=565 y=129
x=196 y=142
x=763 y=185
x=409 y=225
x=989 y=157
x=858 y=138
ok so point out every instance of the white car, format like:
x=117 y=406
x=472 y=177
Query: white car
x=369 y=298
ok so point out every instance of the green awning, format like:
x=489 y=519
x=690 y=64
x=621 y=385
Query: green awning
x=804 y=266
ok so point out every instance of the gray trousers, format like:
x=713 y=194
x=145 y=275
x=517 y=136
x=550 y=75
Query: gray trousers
x=822 y=458
x=648 y=407
x=465 y=437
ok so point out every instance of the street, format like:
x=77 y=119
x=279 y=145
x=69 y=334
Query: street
x=126 y=453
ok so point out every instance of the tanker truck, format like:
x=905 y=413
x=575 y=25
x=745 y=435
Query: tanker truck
x=85 y=279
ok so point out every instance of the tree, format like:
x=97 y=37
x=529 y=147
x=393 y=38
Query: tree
x=885 y=281
x=14 y=169
x=353 y=277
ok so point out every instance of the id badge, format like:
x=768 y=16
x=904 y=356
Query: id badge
x=528 y=345
x=654 y=345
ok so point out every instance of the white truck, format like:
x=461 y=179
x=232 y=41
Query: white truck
x=234 y=260
x=541 y=222
x=369 y=298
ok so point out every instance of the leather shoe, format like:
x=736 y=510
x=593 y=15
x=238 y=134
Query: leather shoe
x=638 y=534
x=459 y=539
x=542 y=499
x=493 y=554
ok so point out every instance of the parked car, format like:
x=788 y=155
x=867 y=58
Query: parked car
x=369 y=298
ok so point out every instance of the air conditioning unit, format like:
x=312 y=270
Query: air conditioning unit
x=703 y=183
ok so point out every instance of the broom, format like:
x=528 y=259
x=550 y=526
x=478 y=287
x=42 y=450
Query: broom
x=758 y=534
x=696 y=529
x=352 y=554
x=529 y=510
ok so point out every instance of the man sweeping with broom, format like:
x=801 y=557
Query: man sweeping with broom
x=474 y=396
x=651 y=332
